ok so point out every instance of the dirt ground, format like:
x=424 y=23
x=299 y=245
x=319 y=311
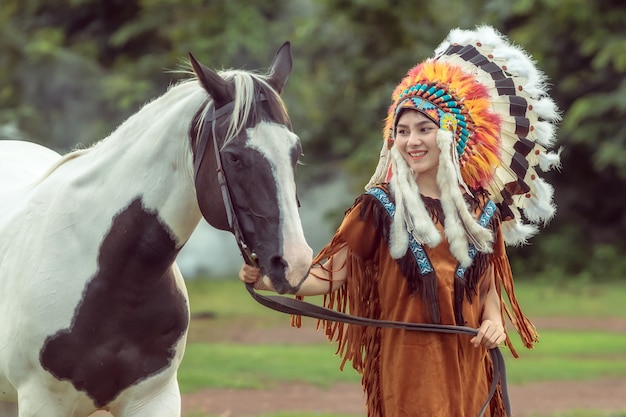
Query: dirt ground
x=534 y=399
x=543 y=398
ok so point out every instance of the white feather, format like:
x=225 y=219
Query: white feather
x=550 y=160
x=515 y=233
x=539 y=208
x=546 y=109
x=545 y=134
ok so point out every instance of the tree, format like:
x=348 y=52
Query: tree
x=74 y=69
x=580 y=45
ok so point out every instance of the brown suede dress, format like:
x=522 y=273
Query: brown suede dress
x=408 y=373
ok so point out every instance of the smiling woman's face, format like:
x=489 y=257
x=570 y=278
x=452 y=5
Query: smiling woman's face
x=416 y=140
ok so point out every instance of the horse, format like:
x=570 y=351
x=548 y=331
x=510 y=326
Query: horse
x=94 y=311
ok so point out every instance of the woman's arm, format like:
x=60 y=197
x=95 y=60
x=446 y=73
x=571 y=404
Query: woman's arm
x=491 y=331
x=322 y=279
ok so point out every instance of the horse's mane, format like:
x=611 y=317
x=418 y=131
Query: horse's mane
x=248 y=86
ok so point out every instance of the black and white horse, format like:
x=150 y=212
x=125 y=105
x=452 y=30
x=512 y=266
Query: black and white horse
x=93 y=309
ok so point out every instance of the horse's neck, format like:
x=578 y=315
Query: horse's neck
x=149 y=156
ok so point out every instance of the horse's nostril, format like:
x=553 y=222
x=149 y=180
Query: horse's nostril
x=277 y=272
x=278 y=262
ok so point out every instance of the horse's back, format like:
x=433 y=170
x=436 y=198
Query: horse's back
x=21 y=165
x=22 y=162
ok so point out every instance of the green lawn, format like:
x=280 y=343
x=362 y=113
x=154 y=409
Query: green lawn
x=574 y=299
x=561 y=355
x=228 y=298
x=212 y=360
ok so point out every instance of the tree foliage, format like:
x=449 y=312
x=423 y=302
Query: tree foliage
x=72 y=70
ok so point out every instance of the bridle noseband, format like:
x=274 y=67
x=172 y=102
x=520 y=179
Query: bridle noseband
x=302 y=308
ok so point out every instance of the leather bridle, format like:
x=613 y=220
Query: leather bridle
x=302 y=308
x=210 y=120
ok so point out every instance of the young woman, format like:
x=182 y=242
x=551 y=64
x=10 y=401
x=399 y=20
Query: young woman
x=426 y=242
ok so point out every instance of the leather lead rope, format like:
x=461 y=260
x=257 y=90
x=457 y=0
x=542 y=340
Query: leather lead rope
x=302 y=308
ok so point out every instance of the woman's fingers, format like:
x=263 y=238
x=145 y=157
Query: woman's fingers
x=249 y=274
x=490 y=335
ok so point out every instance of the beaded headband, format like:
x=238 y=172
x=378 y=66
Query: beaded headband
x=454 y=121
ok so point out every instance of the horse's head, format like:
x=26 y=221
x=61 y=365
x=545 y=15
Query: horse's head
x=245 y=130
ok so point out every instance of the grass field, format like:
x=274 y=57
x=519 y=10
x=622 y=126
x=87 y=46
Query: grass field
x=562 y=355
x=227 y=298
x=221 y=305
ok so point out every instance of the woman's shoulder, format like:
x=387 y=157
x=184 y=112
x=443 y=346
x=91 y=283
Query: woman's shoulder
x=375 y=189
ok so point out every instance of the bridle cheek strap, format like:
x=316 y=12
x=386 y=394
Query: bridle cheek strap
x=211 y=117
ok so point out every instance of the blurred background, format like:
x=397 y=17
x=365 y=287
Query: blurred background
x=73 y=70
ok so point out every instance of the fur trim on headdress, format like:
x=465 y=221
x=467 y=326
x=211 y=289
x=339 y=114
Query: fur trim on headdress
x=459 y=225
x=490 y=98
x=411 y=214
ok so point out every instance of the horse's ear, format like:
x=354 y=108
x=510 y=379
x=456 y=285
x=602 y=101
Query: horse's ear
x=281 y=67
x=216 y=86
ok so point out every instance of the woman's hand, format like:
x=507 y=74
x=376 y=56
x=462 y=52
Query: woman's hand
x=249 y=274
x=320 y=280
x=490 y=335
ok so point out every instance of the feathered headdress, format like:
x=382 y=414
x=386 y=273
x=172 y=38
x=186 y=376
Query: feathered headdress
x=496 y=124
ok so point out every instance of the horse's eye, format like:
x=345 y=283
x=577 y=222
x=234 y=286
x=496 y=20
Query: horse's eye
x=232 y=158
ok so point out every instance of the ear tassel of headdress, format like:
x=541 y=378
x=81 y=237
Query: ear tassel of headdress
x=382 y=169
x=411 y=214
x=459 y=225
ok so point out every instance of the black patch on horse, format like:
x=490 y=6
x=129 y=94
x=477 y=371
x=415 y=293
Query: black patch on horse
x=131 y=315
